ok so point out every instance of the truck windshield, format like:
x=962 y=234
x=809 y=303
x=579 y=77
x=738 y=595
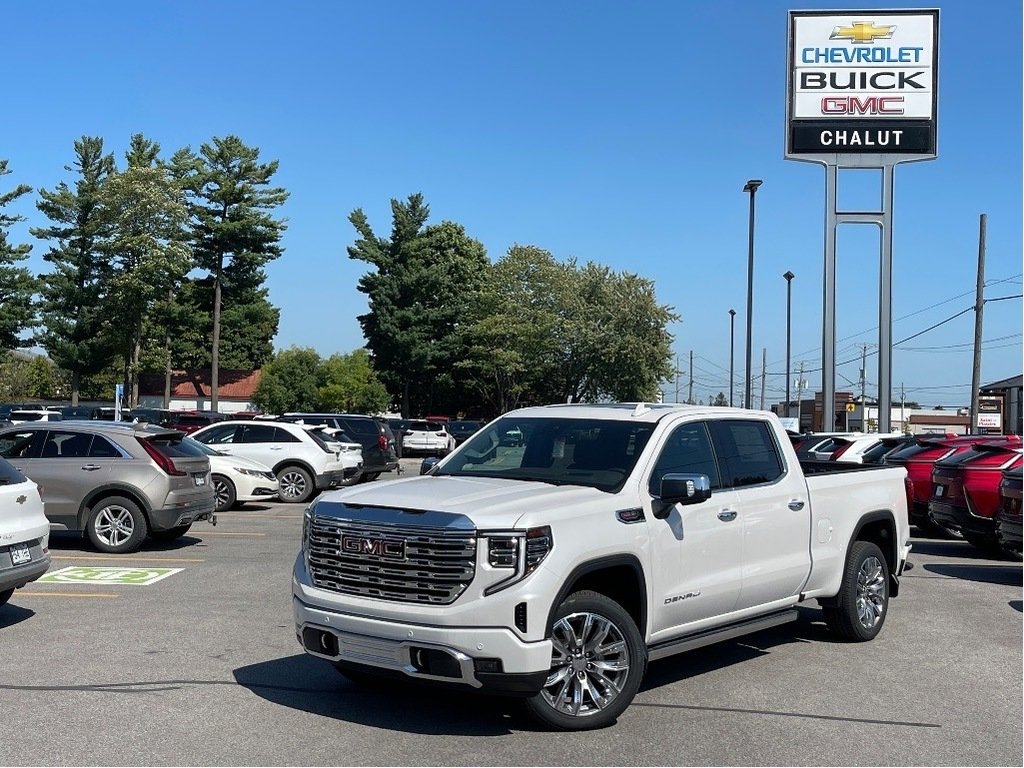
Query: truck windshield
x=589 y=452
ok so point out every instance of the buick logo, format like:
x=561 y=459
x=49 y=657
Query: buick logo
x=361 y=545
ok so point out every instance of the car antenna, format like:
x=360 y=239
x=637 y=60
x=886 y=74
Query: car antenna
x=641 y=409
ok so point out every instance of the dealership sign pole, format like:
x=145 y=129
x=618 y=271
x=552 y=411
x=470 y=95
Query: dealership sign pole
x=861 y=93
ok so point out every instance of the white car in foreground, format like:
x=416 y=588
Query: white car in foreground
x=24 y=532
x=237 y=479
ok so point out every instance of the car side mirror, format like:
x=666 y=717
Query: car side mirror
x=428 y=464
x=678 y=488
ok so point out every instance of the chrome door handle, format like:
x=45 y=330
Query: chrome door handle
x=796 y=505
x=91 y=467
x=726 y=515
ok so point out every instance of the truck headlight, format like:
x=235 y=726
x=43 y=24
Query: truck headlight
x=519 y=552
x=308 y=517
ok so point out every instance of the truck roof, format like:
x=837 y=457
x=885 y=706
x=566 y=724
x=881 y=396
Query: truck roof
x=643 y=412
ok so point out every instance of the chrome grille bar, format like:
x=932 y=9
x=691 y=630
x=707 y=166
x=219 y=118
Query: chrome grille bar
x=436 y=565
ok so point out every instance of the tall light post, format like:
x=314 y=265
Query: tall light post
x=789 y=316
x=751 y=187
x=732 y=340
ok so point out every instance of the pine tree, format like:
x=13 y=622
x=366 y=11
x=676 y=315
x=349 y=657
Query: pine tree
x=74 y=320
x=16 y=283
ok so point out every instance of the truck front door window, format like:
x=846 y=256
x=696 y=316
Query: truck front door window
x=687 y=450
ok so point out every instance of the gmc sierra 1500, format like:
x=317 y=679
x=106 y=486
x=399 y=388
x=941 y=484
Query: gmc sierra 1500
x=555 y=568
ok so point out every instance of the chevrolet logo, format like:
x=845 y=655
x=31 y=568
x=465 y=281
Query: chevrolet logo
x=21 y=499
x=861 y=32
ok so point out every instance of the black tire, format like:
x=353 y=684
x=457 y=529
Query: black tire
x=370 y=477
x=171 y=533
x=5 y=596
x=859 y=610
x=296 y=484
x=117 y=525
x=224 y=493
x=611 y=638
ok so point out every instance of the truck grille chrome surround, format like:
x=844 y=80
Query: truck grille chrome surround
x=357 y=557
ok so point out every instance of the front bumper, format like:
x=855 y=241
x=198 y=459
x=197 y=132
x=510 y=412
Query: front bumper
x=489 y=659
x=1008 y=533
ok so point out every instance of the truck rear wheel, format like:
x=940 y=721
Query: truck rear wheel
x=858 y=612
x=597 y=663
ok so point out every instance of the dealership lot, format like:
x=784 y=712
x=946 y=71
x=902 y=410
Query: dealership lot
x=201 y=666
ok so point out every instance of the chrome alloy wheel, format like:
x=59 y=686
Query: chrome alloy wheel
x=222 y=495
x=870 y=592
x=293 y=485
x=589 y=665
x=114 y=525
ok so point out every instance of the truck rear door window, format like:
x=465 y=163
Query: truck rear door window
x=746 y=452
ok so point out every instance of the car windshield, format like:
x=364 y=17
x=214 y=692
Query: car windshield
x=594 y=453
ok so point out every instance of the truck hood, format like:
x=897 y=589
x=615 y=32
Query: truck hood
x=488 y=502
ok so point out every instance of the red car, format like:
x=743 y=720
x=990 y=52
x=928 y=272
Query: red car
x=918 y=459
x=965 y=492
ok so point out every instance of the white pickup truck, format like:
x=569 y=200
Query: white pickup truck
x=563 y=547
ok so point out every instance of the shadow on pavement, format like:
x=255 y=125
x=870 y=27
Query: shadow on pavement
x=61 y=541
x=1017 y=605
x=940 y=548
x=309 y=684
x=11 y=614
x=1010 y=575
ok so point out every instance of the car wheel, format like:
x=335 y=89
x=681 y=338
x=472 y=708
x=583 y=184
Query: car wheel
x=5 y=596
x=597 y=663
x=987 y=545
x=224 y=492
x=171 y=533
x=117 y=525
x=859 y=610
x=296 y=484
x=369 y=477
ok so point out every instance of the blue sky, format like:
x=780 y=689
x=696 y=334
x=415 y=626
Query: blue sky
x=620 y=133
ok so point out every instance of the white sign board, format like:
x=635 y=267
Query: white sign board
x=862 y=82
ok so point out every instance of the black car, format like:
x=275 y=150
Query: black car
x=463 y=430
x=379 y=449
x=1009 y=515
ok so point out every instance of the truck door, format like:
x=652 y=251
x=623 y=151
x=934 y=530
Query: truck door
x=774 y=507
x=696 y=550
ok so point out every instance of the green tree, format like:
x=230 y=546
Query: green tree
x=234 y=233
x=146 y=248
x=290 y=382
x=41 y=378
x=351 y=385
x=720 y=399
x=17 y=286
x=426 y=280
x=73 y=306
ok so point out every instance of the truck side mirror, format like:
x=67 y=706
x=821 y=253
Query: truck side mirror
x=678 y=488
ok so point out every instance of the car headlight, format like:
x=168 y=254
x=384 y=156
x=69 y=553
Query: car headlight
x=250 y=472
x=519 y=552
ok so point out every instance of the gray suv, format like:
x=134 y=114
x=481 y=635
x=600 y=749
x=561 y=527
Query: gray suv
x=116 y=482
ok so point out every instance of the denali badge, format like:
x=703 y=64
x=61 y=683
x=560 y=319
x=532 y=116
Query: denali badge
x=360 y=545
x=677 y=598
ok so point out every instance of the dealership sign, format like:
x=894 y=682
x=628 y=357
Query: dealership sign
x=862 y=83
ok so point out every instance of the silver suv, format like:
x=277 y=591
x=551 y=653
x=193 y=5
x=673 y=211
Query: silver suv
x=115 y=481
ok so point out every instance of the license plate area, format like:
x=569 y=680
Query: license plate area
x=20 y=554
x=199 y=479
x=940 y=491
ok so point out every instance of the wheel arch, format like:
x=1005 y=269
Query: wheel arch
x=292 y=462
x=879 y=528
x=111 y=489
x=618 y=577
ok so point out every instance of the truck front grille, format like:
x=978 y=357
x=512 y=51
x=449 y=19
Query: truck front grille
x=402 y=563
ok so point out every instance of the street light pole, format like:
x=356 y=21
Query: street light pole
x=732 y=339
x=789 y=309
x=751 y=187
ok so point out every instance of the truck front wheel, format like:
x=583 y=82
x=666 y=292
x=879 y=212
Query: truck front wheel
x=597 y=662
x=858 y=611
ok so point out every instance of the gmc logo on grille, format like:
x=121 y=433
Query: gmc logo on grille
x=359 y=545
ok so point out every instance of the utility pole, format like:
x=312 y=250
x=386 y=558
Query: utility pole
x=799 y=394
x=979 y=311
x=903 y=411
x=677 y=379
x=764 y=372
x=863 y=386
x=689 y=397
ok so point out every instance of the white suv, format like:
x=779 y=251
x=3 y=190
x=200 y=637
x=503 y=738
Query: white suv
x=302 y=461
x=24 y=532
x=427 y=437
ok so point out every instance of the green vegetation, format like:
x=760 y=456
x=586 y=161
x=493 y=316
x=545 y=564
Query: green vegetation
x=159 y=265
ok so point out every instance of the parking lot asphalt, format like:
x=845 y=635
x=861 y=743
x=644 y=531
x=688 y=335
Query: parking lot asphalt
x=202 y=668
